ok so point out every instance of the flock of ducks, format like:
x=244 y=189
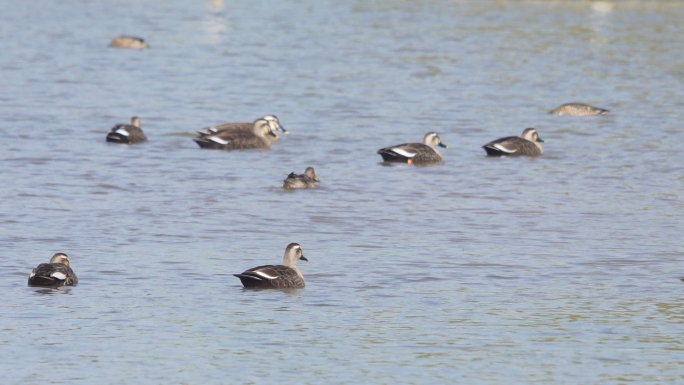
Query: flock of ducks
x=260 y=135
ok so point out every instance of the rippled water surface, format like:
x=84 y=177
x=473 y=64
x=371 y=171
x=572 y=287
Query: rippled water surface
x=560 y=269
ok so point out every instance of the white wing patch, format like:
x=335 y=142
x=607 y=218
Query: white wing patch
x=218 y=140
x=403 y=152
x=59 y=275
x=122 y=132
x=504 y=149
x=261 y=273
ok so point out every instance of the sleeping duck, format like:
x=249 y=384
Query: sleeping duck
x=56 y=273
x=129 y=42
x=578 y=109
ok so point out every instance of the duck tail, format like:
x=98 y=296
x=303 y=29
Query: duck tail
x=390 y=156
x=249 y=280
x=115 y=137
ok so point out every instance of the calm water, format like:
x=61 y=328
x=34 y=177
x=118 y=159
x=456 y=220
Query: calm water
x=561 y=269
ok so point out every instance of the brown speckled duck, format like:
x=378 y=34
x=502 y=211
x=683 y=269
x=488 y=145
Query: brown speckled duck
x=578 y=109
x=129 y=42
x=415 y=153
x=256 y=138
x=294 y=181
x=282 y=276
x=525 y=145
x=272 y=120
x=127 y=133
x=56 y=273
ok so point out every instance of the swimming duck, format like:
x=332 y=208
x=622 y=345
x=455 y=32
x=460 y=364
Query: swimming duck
x=578 y=109
x=306 y=180
x=127 y=133
x=415 y=153
x=57 y=273
x=282 y=276
x=247 y=127
x=525 y=145
x=256 y=138
x=129 y=42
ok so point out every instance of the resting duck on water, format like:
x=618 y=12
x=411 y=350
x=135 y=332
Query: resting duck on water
x=282 y=276
x=56 y=273
x=415 y=153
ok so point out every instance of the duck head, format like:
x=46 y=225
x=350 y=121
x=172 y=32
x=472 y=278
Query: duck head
x=60 y=258
x=293 y=253
x=311 y=174
x=275 y=124
x=531 y=135
x=432 y=139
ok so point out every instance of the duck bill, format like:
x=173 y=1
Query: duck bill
x=540 y=140
x=316 y=179
x=283 y=130
x=273 y=134
x=443 y=145
x=303 y=258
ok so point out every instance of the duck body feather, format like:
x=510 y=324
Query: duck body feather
x=130 y=42
x=416 y=153
x=306 y=180
x=233 y=140
x=271 y=277
x=295 y=181
x=126 y=134
x=512 y=146
x=52 y=275
x=236 y=128
x=578 y=109
x=238 y=139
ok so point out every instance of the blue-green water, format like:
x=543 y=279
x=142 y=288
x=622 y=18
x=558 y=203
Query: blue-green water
x=560 y=269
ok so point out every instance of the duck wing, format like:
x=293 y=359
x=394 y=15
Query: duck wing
x=410 y=153
x=125 y=133
x=511 y=146
x=232 y=140
x=225 y=127
x=270 y=276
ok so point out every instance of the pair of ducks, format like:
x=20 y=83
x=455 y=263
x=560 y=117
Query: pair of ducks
x=424 y=153
x=525 y=145
x=230 y=136
x=58 y=273
x=575 y=109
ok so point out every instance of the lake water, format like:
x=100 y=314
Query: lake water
x=560 y=269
